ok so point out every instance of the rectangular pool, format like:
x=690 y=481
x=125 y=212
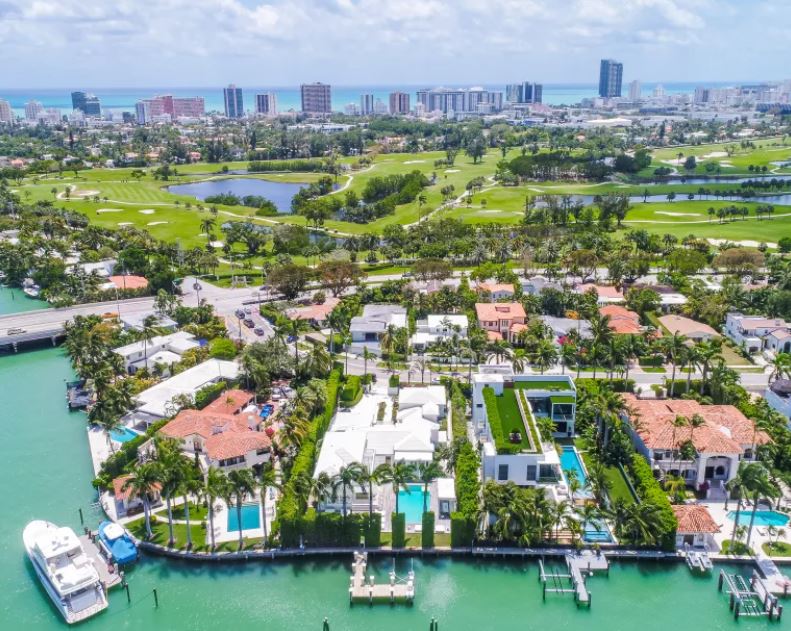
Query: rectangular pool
x=762 y=518
x=251 y=517
x=411 y=504
x=123 y=435
x=570 y=461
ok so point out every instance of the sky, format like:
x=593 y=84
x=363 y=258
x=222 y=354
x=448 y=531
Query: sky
x=196 y=43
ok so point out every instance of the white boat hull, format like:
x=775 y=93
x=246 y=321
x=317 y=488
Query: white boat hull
x=73 y=607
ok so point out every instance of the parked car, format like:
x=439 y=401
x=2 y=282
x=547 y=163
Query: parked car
x=249 y=323
x=239 y=313
x=258 y=330
x=248 y=310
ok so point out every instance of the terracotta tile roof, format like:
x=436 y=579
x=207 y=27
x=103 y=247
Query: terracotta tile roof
x=694 y=518
x=726 y=430
x=230 y=402
x=517 y=327
x=233 y=444
x=686 y=326
x=490 y=311
x=123 y=494
x=204 y=424
x=603 y=291
x=317 y=313
x=129 y=282
x=493 y=336
x=622 y=321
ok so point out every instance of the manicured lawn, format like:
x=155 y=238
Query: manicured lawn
x=656 y=369
x=198 y=512
x=413 y=540
x=510 y=418
x=618 y=485
x=733 y=357
x=739 y=549
x=161 y=534
x=779 y=549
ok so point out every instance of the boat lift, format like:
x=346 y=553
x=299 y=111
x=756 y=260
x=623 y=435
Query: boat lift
x=749 y=599
x=398 y=590
x=579 y=567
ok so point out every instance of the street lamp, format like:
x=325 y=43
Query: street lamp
x=197 y=287
x=240 y=328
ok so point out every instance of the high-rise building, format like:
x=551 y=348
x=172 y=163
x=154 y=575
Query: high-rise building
x=366 y=104
x=266 y=104
x=87 y=103
x=380 y=109
x=659 y=91
x=513 y=93
x=33 y=110
x=234 y=102
x=6 y=115
x=532 y=92
x=399 y=103
x=316 y=98
x=455 y=101
x=635 y=90
x=168 y=107
x=610 y=78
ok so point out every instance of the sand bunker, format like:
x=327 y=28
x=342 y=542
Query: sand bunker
x=109 y=210
x=715 y=154
x=75 y=193
x=147 y=211
x=747 y=243
x=449 y=170
x=414 y=162
x=672 y=214
x=155 y=223
x=125 y=223
x=216 y=244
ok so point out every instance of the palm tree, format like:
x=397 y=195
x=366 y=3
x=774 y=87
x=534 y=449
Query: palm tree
x=190 y=485
x=545 y=355
x=267 y=479
x=707 y=352
x=370 y=478
x=428 y=472
x=399 y=475
x=148 y=331
x=598 y=481
x=146 y=479
x=572 y=477
x=367 y=355
x=172 y=470
x=345 y=480
x=240 y=485
x=674 y=347
x=736 y=487
x=756 y=482
x=499 y=350
x=215 y=485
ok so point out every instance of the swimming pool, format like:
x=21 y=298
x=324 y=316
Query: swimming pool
x=596 y=532
x=251 y=517
x=123 y=434
x=570 y=460
x=762 y=518
x=411 y=504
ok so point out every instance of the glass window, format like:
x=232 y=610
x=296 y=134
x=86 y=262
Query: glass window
x=502 y=472
x=531 y=472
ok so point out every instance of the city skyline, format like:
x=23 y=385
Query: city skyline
x=663 y=40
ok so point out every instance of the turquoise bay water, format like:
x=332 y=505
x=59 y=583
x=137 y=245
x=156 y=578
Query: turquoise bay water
x=46 y=473
x=411 y=503
x=14 y=301
x=762 y=518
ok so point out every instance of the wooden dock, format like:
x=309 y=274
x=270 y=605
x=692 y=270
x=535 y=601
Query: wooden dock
x=109 y=574
x=579 y=566
x=364 y=589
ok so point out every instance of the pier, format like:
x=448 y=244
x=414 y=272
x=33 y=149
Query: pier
x=751 y=599
x=109 y=574
x=366 y=590
x=578 y=568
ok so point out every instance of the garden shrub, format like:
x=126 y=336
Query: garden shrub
x=373 y=531
x=650 y=491
x=352 y=391
x=462 y=531
x=427 y=535
x=209 y=393
x=398 y=525
x=468 y=484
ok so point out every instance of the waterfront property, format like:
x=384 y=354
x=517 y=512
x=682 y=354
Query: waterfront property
x=125 y=503
x=515 y=417
x=696 y=527
x=755 y=334
x=707 y=457
x=160 y=350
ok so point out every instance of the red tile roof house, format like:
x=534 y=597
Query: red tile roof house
x=317 y=314
x=230 y=402
x=725 y=438
x=125 y=503
x=622 y=321
x=696 y=527
x=503 y=319
x=496 y=291
x=226 y=441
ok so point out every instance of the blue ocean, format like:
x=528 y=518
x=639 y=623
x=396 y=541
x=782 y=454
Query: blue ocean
x=124 y=99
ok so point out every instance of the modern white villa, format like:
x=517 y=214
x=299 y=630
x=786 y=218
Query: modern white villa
x=516 y=450
x=436 y=328
x=162 y=350
x=371 y=433
x=707 y=457
x=367 y=330
x=778 y=396
x=755 y=334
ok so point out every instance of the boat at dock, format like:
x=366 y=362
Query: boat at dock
x=66 y=572
x=116 y=543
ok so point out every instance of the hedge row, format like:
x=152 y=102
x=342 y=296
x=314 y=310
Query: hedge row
x=616 y=385
x=496 y=425
x=289 y=508
x=373 y=531
x=352 y=391
x=209 y=393
x=427 y=535
x=398 y=524
x=331 y=529
x=458 y=412
x=462 y=531
x=468 y=484
x=650 y=491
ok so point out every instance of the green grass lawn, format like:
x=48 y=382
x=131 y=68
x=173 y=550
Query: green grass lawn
x=619 y=488
x=655 y=369
x=733 y=357
x=779 y=549
x=198 y=512
x=161 y=535
x=739 y=549
x=413 y=540
x=510 y=417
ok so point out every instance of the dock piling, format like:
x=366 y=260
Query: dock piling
x=156 y=598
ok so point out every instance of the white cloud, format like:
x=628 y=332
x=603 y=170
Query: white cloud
x=124 y=42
